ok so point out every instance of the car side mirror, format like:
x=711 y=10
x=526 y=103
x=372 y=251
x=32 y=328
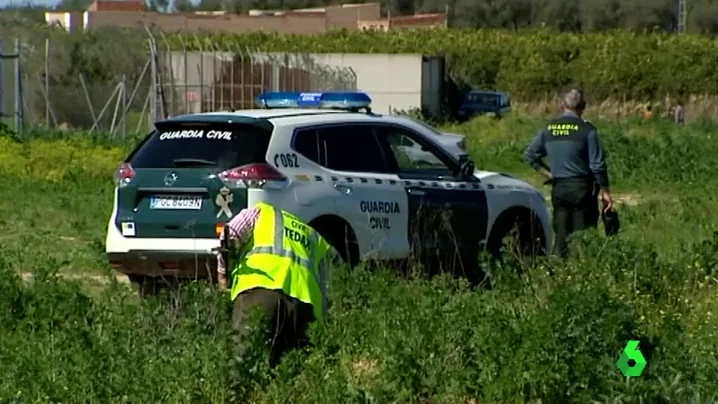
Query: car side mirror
x=466 y=167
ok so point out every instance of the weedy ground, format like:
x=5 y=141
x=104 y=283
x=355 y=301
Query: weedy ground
x=549 y=333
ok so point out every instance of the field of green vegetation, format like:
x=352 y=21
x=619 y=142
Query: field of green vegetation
x=535 y=337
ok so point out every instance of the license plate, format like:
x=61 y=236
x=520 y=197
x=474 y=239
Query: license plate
x=176 y=202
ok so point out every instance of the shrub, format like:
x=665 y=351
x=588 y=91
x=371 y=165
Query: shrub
x=554 y=338
x=552 y=331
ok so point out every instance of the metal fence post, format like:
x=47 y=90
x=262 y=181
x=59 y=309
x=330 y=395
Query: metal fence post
x=2 y=97
x=124 y=105
x=153 y=87
x=47 y=82
x=18 y=89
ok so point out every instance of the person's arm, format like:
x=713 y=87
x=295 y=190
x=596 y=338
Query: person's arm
x=597 y=160
x=535 y=152
x=240 y=229
x=597 y=163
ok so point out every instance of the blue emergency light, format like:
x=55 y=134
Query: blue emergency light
x=329 y=100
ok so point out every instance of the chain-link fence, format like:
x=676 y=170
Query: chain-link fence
x=221 y=80
x=122 y=84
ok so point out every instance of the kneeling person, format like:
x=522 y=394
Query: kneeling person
x=280 y=265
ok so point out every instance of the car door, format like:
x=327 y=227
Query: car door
x=367 y=196
x=448 y=214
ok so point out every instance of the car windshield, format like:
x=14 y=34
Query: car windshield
x=220 y=145
x=482 y=98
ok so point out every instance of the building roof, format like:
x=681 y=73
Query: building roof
x=117 y=5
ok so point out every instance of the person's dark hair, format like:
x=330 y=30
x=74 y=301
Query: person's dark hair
x=650 y=107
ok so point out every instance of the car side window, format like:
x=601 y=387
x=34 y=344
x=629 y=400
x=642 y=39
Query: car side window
x=411 y=156
x=306 y=143
x=353 y=148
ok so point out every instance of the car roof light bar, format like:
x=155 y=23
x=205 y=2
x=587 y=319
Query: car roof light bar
x=348 y=101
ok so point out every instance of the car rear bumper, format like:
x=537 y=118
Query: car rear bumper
x=172 y=257
x=172 y=264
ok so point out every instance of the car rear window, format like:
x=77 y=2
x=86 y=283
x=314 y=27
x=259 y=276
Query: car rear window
x=177 y=145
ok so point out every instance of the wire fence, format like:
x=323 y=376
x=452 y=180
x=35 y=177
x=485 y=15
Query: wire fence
x=62 y=85
x=210 y=81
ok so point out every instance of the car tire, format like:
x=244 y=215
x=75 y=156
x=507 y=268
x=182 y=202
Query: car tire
x=340 y=235
x=521 y=233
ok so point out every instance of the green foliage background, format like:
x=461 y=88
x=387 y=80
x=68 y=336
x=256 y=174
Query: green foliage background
x=529 y=64
x=533 y=336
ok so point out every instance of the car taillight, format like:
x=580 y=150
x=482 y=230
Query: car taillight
x=251 y=175
x=124 y=174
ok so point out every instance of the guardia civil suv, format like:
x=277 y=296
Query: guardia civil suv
x=378 y=187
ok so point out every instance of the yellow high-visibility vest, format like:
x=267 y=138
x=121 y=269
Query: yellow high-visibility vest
x=284 y=254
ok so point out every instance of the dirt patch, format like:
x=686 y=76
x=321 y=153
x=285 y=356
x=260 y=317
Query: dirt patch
x=619 y=199
x=96 y=278
x=628 y=199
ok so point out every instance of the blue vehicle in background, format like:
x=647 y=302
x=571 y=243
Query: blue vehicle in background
x=481 y=102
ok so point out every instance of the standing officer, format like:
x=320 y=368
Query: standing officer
x=577 y=168
x=279 y=265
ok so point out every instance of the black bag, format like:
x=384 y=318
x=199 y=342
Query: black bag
x=611 y=222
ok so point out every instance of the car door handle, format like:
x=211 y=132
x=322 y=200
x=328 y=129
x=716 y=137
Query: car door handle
x=345 y=189
x=417 y=192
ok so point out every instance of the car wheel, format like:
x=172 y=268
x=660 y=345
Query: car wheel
x=517 y=234
x=340 y=235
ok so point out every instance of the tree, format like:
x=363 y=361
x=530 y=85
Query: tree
x=600 y=15
x=158 y=5
x=73 y=5
x=210 y=5
x=651 y=15
x=702 y=16
x=183 y=6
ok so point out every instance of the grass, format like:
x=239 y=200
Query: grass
x=534 y=337
x=697 y=107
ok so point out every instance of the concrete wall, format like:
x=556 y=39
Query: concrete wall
x=392 y=80
x=347 y=16
x=300 y=24
x=289 y=22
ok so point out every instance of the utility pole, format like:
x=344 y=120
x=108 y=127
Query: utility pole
x=681 y=16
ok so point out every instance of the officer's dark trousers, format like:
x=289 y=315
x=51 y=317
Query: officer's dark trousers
x=575 y=207
x=284 y=320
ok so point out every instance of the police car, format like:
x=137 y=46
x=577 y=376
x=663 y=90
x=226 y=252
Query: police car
x=326 y=158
